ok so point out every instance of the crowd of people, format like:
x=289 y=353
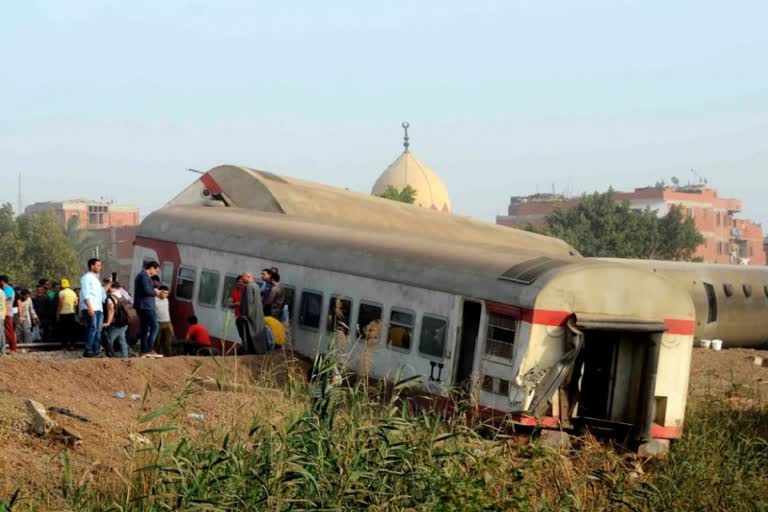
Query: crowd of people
x=101 y=312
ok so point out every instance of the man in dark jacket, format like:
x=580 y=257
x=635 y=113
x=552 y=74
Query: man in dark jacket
x=250 y=324
x=144 y=294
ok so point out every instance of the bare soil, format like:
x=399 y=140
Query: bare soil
x=88 y=386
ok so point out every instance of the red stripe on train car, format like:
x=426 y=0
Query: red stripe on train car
x=662 y=432
x=210 y=184
x=684 y=327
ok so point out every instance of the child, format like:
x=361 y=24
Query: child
x=165 y=333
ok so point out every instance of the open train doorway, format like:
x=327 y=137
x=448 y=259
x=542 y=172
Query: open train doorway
x=469 y=330
x=617 y=378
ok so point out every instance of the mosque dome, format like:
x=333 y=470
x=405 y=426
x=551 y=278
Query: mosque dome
x=431 y=191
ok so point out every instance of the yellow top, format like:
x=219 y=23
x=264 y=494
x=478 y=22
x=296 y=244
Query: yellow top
x=67 y=299
x=278 y=331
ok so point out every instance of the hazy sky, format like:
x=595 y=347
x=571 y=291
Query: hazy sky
x=116 y=99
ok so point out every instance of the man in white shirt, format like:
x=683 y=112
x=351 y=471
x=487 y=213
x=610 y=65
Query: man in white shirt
x=92 y=297
x=165 y=332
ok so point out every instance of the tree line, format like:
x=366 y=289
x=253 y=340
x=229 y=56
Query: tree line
x=36 y=246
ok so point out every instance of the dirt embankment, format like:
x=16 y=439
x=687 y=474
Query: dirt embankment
x=87 y=387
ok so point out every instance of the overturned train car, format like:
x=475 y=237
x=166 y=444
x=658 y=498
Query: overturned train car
x=536 y=333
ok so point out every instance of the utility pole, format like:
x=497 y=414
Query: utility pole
x=20 y=205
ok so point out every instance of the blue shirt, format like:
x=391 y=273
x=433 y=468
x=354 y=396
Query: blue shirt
x=91 y=289
x=143 y=292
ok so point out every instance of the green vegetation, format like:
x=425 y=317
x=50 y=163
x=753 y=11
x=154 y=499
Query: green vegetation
x=360 y=448
x=599 y=226
x=406 y=195
x=35 y=246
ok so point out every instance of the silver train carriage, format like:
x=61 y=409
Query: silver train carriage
x=545 y=337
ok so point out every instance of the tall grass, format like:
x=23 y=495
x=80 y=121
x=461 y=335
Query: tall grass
x=358 y=447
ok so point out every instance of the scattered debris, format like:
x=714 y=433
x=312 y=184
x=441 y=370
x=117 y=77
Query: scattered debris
x=137 y=438
x=212 y=384
x=135 y=397
x=555 y=439
x=41 y=423
x=654 y=449
x=120 y=394
x=757 y=361
x=67 y=412
x=196 y=416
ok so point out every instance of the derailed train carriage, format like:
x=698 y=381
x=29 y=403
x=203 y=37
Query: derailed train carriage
x=530 y=328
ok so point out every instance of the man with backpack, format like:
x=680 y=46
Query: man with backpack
x=116 y=324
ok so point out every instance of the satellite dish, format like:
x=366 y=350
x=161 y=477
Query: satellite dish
x=675 y=180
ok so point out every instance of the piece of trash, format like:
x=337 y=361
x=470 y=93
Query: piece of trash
x=119 y=394
x=135 y=397
x=196 y=416
x=67 y=412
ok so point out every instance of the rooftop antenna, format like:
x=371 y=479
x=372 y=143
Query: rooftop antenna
x=405 y=126
x=194 y=170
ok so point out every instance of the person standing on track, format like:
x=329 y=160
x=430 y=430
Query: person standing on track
x=250 y=325
x=165 y=332
x=144 y=301
x=65 y=315
x=2 y=316
x=91 y=307
x=10 y=331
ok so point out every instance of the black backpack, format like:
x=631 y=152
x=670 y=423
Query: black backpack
x=122 y=314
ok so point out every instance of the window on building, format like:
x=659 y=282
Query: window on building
x=432 y=339
x=339 y=315
x=97 y=215
x=185 y=283
x=747 y=289
x=166 y=273
x=369 y=321
x=711 y=303
x=500 y=337
x=728 y=289
x=400 y=329
x=209 y=288
x=230 y=281
x=311 y=309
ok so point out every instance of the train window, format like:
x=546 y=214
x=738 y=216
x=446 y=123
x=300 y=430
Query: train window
x=432 y=339
x=289 y=292
x=728 y=289
x=209 y=288
x=711 y=303
x=230 y=282
x=339 y=315
x=369 y=321
x=166 y=274
x=747 y=289
x=400 y=329
x=185 y=283
x=500 y=337
x=503 y=387
x=311 y=309
x=488 y=384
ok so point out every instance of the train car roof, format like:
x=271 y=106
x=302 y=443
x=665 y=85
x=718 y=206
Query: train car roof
x=471 y=270
x=252 y=189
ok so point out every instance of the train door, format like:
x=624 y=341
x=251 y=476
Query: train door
x=469 y=330
x=617 y=369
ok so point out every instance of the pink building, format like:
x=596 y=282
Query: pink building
x=726 y=238
x=113 y=226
